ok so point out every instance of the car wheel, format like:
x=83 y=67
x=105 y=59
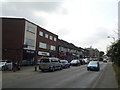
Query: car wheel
x=3 y=68
x=61 y=68
x=98 y=69
x=39 y=67
x=88 y=69
x=52 y=69
x=42 y=70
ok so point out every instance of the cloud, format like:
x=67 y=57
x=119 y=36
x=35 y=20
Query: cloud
x=79 y=22
x=27 y=9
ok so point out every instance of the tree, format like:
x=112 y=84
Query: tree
x=114 y=52
x=101 y=53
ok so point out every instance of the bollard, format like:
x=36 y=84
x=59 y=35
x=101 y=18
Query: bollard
x=35 y=68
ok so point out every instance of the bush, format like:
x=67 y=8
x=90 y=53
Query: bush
x=117 y=73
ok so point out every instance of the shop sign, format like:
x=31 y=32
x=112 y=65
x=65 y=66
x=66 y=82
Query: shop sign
x=30 y=51
x=43 y=53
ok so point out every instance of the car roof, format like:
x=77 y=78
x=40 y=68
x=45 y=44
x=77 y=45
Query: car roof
x=49 y=58
x=93 y=62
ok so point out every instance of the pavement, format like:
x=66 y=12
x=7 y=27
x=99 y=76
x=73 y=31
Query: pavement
x=22 y=69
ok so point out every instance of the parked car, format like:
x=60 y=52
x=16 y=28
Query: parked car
x=86 y=60
x=49 y=63
x=65 y=63
x=5 y=65
x=2 y=65
x=95 y=59
x=100 y=59
x=93 y=65
x=9 y=65
x=82 y=62
x=75 y=62
x=105 y=60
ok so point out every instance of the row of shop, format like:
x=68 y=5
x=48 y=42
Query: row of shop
x=29 y=56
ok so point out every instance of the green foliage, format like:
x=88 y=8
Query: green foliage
x=114 y=52
x=117 y=73
x=101 y=53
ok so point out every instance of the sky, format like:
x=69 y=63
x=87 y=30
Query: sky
x=84 y=23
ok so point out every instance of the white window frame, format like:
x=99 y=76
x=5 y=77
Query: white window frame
x=55 y=39
x=46 y=35
x=52 y=47
x=30 y=29
x=51 y=37
x=42 y=45
x=30 y=42
x=40 y=33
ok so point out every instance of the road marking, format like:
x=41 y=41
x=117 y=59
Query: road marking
x=99 y=77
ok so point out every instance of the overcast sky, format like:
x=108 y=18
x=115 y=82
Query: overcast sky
x=84 y=23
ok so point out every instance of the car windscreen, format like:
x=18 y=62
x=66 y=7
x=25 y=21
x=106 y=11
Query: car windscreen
x=92 y=63
x=73 y=61
x=44 y=60
x=54 y=60
x=62 y=61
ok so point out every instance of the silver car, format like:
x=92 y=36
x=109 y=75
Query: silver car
x=2 y=65
x=93 y=65
x=50 y=64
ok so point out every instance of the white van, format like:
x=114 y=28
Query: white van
x=49 y=63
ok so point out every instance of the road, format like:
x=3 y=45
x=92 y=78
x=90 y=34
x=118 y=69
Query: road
x=73 y=77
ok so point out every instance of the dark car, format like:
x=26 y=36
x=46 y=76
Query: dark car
x=93 y=65
x=65 y=63
x=101 y=59
x=75 y=62
x=82 y=62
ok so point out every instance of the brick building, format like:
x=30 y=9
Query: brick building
x=24 y=41
x=46 y=43
x=68 y=50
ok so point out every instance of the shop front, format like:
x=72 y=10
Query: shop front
x=28 y=57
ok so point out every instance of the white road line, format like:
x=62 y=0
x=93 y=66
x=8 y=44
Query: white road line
x=98 y=79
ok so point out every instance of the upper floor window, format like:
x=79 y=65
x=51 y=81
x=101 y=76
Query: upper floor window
x=30 y=29
x=55 y=39
x=46 y=35
x=40 y=33
x=52 y=47
x=51 y=37
x=43 y=45
x=30 y=42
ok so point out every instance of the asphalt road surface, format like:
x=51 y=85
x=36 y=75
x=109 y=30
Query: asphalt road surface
x=73 y=77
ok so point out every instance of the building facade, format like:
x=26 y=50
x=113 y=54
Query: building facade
x=68 y=51
x=13 y=39
x=47 y=44
x=93 y=53
x=24 y=42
